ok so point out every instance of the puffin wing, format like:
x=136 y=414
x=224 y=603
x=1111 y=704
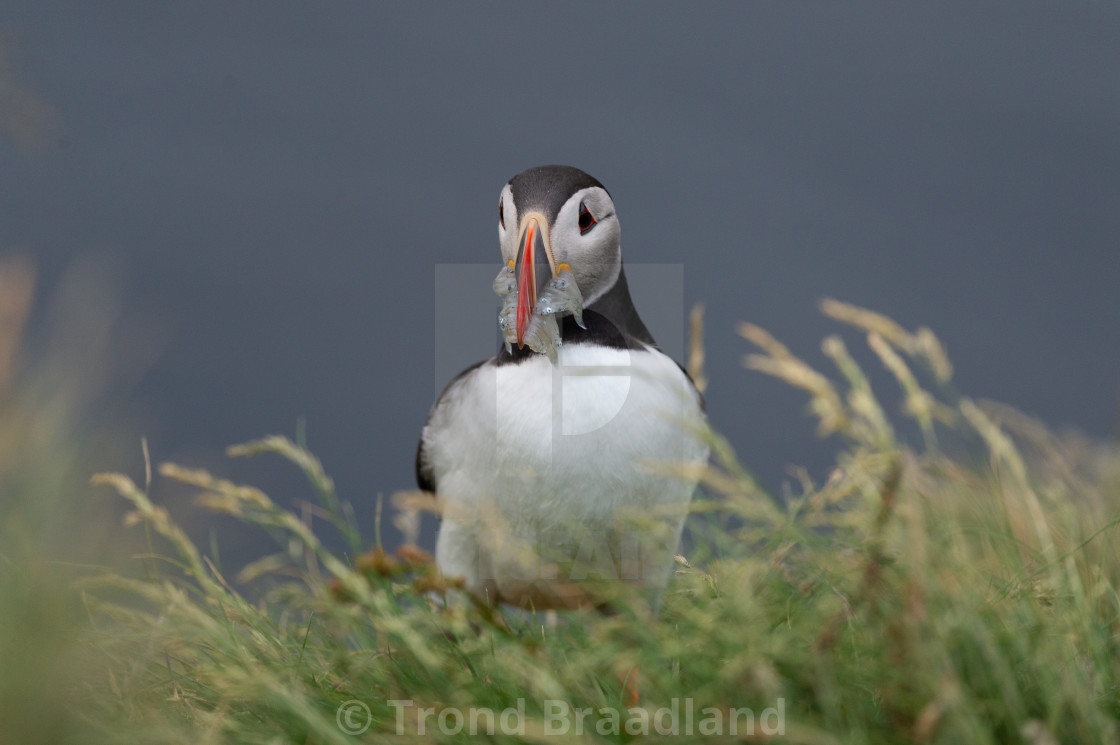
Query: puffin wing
x=425 y=477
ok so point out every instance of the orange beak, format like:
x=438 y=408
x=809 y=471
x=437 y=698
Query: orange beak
x=533 y=270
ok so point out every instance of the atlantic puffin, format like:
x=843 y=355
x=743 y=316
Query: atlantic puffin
x=549 y=469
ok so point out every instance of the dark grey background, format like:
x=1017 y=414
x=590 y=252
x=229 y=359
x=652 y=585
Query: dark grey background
x=276 y=184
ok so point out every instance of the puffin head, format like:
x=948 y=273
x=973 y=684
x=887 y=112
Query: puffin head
x=553 y=215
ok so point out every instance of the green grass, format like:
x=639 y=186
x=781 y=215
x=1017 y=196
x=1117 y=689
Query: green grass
x=962 y=589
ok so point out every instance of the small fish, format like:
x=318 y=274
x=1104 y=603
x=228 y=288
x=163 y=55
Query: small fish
x=543 y=333
x=561 y=295
x=505 y=286
x=543 y=336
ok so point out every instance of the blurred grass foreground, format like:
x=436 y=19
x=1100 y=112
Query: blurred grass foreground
x=961 y=588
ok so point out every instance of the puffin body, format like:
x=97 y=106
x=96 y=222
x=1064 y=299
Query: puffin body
x=544 y=466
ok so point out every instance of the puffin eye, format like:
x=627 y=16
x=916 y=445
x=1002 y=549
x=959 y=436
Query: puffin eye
x=586 y=219
x=501 y=212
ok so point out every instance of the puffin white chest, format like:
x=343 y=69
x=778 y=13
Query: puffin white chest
x=539 y=456
x=540 y=439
